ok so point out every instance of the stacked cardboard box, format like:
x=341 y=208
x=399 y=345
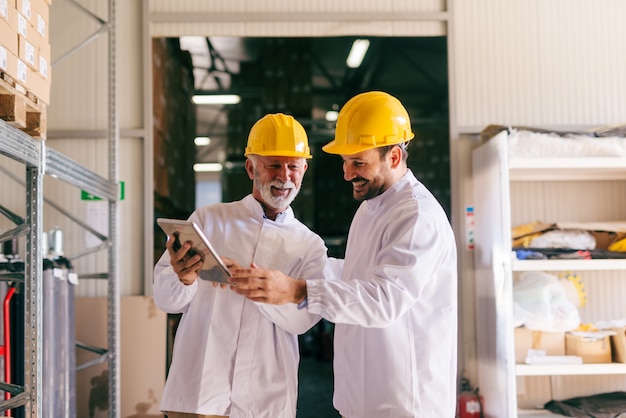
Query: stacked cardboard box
x=25 y=63
x=592 y=347
x=553 y=343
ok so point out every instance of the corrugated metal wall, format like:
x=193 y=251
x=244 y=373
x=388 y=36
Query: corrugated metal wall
x=289 y=18
x=537 y=63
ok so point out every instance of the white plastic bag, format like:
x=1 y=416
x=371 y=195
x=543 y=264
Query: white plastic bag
x=540 y=303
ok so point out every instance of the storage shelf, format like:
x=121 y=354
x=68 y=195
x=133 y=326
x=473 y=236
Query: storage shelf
x=544 y=187
x=570 y=169
x=536 y=413
x=569 y=265
x=569 y=369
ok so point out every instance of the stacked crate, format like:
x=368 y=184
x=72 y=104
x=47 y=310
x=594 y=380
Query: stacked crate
x=25 y=64
x=174 y=127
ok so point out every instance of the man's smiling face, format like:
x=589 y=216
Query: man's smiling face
x=369 y=173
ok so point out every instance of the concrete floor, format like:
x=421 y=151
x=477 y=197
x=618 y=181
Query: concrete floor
x=315 y=386
x=315 y=389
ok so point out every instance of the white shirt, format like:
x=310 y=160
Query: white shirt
x=395 y=309
x=228 y=358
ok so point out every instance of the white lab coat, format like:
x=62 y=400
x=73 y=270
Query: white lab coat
x=228 y=357
x=395 y=309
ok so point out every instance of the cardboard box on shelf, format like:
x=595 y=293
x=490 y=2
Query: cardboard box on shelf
x=8 y=37
x=35 y=38
x=24 y=95
x=28 y=52
x=553 y=343
x=9 y=14
x=44 y=68
x=592 y=347
x=24 y=7
x=618 y=345
x=38 y=86
x=23 y=25
x=39 y=10
x=9 y=65
x=4 y=59
x=32 y=9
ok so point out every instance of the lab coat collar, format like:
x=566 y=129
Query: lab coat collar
x=407 y=179
x=255 y=207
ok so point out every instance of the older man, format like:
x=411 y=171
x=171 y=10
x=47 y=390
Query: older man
x=233 y=357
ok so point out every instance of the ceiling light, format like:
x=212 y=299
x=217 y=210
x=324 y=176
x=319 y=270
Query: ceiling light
x=331 y=115
x=202 y=141
x=357 y=52
x=207 y=167
x=202 y=99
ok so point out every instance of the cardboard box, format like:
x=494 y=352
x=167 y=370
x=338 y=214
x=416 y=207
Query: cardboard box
x=618 y=345
x=142 y=361
x=553 y=343
x=8 y=37
x=8 y=64
x=28 y=52
x=38 y=86
x=23 y=25
x=592 y=349
x=44 y=67
x=40 y=11
x=4 y=59
x=8 y=13
x=24 y=7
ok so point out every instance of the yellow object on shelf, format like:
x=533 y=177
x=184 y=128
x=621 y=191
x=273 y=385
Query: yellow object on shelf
x=575 y=289
x=619 y=246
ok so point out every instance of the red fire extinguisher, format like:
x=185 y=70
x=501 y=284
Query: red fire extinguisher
x=469 y=401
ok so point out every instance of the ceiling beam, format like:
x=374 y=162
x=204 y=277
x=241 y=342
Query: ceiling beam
x=298 y=17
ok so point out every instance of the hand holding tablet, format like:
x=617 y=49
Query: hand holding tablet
x=214 y=268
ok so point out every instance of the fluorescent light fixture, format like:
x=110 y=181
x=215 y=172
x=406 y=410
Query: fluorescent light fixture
x=207 y=167
x=332 y=115
x=357 y=52
x=202 y=141
x=204 y=99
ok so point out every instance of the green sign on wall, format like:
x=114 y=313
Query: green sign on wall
x=88 y=196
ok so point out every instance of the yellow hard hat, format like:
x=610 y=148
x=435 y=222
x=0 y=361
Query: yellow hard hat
x=278 y=135
x=370 y=120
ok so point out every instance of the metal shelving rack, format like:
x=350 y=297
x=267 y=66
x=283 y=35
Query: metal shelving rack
x=40 y=161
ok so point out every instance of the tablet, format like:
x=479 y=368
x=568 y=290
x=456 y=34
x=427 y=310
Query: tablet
x=214 y=269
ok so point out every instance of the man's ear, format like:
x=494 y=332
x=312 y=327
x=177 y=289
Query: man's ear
x=395 y=156
x=250 y=169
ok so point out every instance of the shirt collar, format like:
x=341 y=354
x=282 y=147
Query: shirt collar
x=377 y=201
x=257 y=210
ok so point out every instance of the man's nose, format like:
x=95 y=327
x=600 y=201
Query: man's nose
x=283 y=173
x=348 y=172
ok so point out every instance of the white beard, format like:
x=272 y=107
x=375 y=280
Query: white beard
x=276 y=202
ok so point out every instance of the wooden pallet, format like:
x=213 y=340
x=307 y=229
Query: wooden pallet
x=20 y=108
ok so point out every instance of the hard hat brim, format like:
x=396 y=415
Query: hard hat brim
x=339 y=148
x=280 y=154
x=334 y=147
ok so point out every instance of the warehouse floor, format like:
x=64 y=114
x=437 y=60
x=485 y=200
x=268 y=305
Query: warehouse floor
x=315 y=393
x=315 y=386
